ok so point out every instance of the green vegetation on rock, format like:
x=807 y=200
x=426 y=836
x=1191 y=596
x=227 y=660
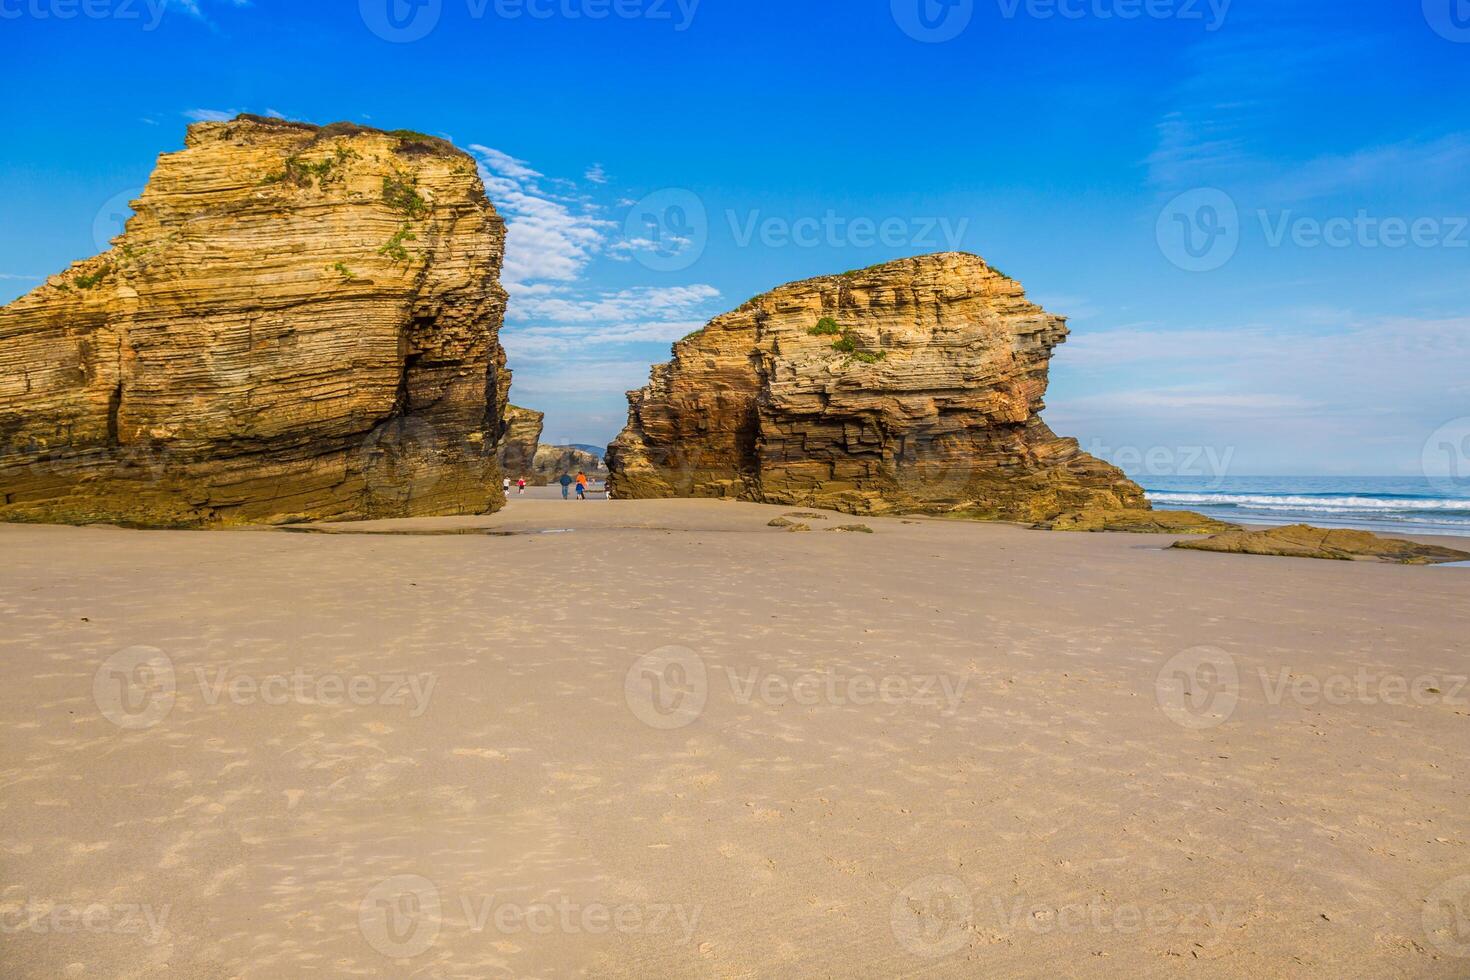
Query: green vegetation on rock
x=395 y=248
x=400 y=192
x=92 y=279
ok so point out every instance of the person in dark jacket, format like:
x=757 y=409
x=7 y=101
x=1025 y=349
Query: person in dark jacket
x=566 y=486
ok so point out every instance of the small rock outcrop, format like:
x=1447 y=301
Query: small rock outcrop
x=1139 y=522
x=519 y=442
x=1305 y=541
x=298 y=322
x=914 y=386
x=553 y=461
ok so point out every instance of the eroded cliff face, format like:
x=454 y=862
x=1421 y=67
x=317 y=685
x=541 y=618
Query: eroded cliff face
x=914 y=386
x=520 y=440
x=298 y=321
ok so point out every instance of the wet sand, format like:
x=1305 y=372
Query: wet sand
x=670 y=741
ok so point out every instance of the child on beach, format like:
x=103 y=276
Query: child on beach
x=581 y=486
x=521 y=484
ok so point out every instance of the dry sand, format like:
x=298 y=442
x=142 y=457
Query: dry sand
x=674 y=742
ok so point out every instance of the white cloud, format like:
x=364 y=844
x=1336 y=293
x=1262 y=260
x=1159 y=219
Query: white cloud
x=596 y=174
x=548 y=237
x=643 y=302
x=211 y=115
x=505 y=164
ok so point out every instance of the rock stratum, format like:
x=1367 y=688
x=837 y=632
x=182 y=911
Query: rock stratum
x=1306 y=541
x=520 y=441
x=553 y=461
x=914 y=386
x=298 y=321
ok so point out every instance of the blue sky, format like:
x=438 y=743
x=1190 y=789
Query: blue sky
x=1254 y=211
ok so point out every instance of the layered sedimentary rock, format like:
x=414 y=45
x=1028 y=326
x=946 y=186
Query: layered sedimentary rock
x=519 y=441
x=298 y=321
x=553 y=461
x=1305 y=541
x=914 y=386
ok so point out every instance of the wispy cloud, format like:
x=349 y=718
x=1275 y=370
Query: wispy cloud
x=647 y=301
x=211 y=115
x=567 y=334
x=548 y=236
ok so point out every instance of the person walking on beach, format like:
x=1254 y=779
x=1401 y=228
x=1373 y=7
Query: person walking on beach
x=566 y=486
x=581 y=485
x=521 y=485
x=506 y=486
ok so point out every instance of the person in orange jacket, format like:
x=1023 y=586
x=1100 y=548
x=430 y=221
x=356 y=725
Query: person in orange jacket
x=581 y=485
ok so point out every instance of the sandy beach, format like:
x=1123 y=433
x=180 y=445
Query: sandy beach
x=660 y=738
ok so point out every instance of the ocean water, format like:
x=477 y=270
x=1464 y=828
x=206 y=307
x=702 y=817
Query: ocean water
x=1407 y=505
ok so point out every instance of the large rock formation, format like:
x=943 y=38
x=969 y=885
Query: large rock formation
x=298 y=321
x=520 y=440
x=913 y=386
